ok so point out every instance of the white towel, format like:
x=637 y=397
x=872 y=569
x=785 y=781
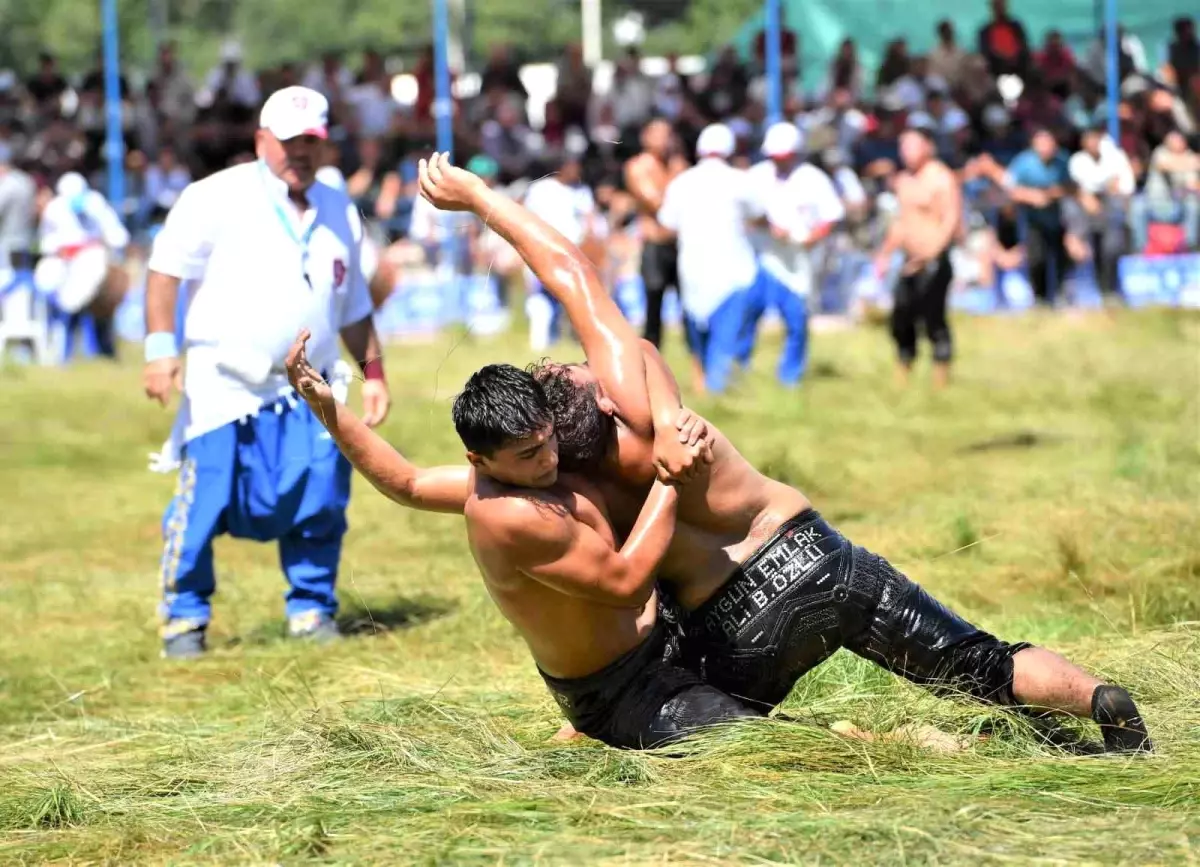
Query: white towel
x=170 y=457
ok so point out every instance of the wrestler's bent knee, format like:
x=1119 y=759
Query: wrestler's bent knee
x=694 y=709
x=920 y=639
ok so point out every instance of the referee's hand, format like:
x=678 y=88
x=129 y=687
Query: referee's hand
x=159 y=377
x=309 y=384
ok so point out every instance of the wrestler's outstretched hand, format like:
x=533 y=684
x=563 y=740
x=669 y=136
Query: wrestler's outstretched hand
x=447 y=187
x=307 y=381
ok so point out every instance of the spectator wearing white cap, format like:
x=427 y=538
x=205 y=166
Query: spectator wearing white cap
x=709 y=207
x=240 y=85
x=802 y=207
x=264 y=251
x=79 y=237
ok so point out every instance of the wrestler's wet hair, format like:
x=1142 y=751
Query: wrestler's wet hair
x=500 y=404
x=582 y=429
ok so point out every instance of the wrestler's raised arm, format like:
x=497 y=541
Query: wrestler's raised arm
x=610 y=343
x=682 y=446
x=434 y=489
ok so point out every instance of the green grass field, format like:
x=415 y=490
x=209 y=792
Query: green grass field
x=1053 y=494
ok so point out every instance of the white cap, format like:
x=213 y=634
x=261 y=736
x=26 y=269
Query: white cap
x=782 y=140
x=716 y=140
x=231 y=51
x=295 y=111
x=70 y=185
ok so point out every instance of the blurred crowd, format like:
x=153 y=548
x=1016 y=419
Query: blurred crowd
x=986 y=96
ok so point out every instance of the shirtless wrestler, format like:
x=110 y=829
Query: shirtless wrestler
x=646 y=178
x=926 y=226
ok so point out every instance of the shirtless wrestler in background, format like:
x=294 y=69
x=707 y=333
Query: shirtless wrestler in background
x=646 y=179
x=925 y=228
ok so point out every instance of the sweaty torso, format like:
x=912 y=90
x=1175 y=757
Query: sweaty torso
x=723 y=517
x=655 y=175
x=569 y=636
x=923 y=201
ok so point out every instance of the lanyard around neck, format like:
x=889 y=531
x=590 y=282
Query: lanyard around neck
x=301 y=240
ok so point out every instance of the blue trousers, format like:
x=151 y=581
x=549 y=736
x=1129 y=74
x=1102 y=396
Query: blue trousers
x=274 y=476
x=715 y=341
x=768 y=292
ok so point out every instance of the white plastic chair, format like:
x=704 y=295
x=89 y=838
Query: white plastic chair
x=24 y=317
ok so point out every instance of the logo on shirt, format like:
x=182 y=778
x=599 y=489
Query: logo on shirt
x=339 y=273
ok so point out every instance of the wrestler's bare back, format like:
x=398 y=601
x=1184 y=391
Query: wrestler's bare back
x=568 y=635
x=722 y=518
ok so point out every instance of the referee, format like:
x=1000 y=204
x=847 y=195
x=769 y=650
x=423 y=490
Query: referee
x=261 y=251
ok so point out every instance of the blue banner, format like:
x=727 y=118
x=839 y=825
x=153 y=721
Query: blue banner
x=1172 y=281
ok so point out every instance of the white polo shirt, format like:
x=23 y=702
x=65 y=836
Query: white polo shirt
x=256 y=272
x=799 y=203
x=1093 y=175
x=709 y=207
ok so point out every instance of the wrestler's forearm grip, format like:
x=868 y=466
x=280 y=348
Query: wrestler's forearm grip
x=662 y=388
x=648 y=541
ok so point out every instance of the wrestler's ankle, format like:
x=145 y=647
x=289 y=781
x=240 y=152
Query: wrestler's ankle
x=1120 y=721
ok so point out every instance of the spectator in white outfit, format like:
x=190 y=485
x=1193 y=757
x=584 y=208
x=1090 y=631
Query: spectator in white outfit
x=802 y=207
x=80 y=238
x=709 y=207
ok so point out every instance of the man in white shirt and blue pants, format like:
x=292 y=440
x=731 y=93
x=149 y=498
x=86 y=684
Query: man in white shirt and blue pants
x=802 y=206
x=262 y=251
x=710 y=208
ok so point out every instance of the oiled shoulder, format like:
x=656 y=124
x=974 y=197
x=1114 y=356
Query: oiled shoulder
x=519 y=519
